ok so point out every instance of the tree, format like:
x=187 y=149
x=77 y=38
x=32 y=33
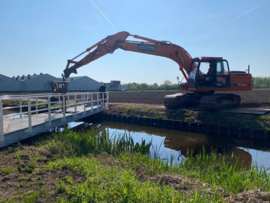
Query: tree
x=167 y=84
x=155 y=86
x=144 y=86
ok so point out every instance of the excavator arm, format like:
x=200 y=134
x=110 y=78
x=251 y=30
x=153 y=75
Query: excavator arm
x=118 y=40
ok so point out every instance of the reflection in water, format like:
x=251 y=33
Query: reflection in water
x=176 y=143
x=185 y=144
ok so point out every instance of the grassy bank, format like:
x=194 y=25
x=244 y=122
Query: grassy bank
x=207 y=117
x=91 y=167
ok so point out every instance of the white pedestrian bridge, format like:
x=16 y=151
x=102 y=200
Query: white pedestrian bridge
x=23 y=116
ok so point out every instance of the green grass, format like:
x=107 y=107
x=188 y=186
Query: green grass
x=215 y=170
x=132 y=109
x=32 y=164
x=70 y=143
x=160 y=117
x=116 y=169
x=111 y=184
x=264 y=118
x=149 y=110
x=33 y=196
x=5 y=170
x=190 y=119
x=264 y=121
x=211 y=168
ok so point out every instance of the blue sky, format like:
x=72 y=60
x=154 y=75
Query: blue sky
x=39 y=36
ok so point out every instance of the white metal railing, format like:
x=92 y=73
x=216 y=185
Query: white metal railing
x=20 y=106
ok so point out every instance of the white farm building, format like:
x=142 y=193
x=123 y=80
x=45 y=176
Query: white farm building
x=8 y=84
x=36 y=83
x=81 y=84
x=42 y=83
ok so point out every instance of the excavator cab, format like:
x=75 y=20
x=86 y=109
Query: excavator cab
x=209 y=73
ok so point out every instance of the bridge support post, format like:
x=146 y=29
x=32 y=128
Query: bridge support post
x=29 y=116
x=75 y=105
x=107 y=102
x=103 y=98
x=36 y=106
x=49 y=112
x=59 y=103
x=91 y=101
x=1 y=122
x=98 y=100
x=20 y=107
x=64 y=108
x=84 y=104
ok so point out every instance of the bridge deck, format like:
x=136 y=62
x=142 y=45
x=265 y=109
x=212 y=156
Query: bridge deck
x=20 y=126
x=12 y=125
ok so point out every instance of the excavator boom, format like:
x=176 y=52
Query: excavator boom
x=118 y=40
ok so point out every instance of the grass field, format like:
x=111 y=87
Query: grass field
x=89 y=167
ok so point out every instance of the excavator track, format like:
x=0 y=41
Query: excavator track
x=211 y=102
x=219 y=101
x=180 y=100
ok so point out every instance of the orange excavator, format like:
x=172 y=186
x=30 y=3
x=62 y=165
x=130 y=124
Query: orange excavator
x=204 y=75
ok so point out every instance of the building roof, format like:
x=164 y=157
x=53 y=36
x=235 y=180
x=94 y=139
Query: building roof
x=23 y=78
x=3 y=76
x=71 y=79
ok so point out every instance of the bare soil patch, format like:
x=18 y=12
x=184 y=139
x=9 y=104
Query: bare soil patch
x=250 y=99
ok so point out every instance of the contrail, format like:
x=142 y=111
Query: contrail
x=235 y=18
x=213 y=48
x=103 y=14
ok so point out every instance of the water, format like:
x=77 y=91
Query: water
x=169 y=143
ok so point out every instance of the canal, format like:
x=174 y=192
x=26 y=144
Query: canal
x=171 y=143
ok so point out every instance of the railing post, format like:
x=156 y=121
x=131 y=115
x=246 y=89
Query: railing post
x=91 y=101
x=97 y=100
x=49 y=112
x=84 y=108
x=20 y=107
x=1 y=122
x=103 y=98
x=107 y=99
x=64 y=108
x=29 y=116
x=59 y=102
x=75 y=105
x=36 y=106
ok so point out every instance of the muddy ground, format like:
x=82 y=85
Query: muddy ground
x=150 y=104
